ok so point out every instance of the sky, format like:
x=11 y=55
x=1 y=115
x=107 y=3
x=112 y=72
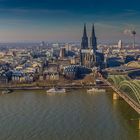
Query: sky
x=63 y=20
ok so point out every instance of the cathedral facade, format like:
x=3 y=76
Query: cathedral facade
x=89 y=55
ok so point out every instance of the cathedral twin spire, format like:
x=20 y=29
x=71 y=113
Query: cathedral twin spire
x=84 y=43
x=93 y=40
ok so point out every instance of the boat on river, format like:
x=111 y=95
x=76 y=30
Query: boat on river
x=6 y=91
x=56 y=90
x=96 y=90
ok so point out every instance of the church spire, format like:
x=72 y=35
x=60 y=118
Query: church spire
x=93 y=40
x=85 y=31
x=84 y=44
x=93 y=31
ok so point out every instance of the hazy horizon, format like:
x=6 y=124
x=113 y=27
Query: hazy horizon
x=52 y=20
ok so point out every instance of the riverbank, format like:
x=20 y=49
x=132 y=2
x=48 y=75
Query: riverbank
x=50 y=86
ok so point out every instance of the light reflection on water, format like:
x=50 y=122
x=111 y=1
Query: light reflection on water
x=33 y=115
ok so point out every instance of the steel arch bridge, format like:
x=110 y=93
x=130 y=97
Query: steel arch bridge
x=124 y=84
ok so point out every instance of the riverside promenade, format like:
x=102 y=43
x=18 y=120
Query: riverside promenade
x=67 y=86
x=48 y=87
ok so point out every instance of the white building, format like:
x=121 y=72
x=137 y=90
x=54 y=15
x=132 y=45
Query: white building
x=120 y=44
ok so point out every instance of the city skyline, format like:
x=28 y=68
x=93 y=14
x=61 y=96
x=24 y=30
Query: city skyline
x=64 y=21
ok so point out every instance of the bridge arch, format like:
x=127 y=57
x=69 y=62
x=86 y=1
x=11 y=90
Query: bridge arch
x=133 y=64
x=116 y=79
x=132 y=88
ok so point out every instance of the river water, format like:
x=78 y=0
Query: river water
x=33 y=115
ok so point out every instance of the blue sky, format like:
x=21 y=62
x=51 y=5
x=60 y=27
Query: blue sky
x=62 y=20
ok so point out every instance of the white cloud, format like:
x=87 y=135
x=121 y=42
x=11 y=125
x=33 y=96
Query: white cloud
x=127 y=31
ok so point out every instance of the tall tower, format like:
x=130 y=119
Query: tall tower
x=84 y=44
x=93 y=40
x=120 y=44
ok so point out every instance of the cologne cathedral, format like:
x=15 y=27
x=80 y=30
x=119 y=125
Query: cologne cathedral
x=89 y=54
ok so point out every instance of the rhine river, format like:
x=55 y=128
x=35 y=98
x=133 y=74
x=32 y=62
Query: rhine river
x=33 y=115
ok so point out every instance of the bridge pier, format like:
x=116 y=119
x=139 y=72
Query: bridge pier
x=139 y=124
x=115 y=96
